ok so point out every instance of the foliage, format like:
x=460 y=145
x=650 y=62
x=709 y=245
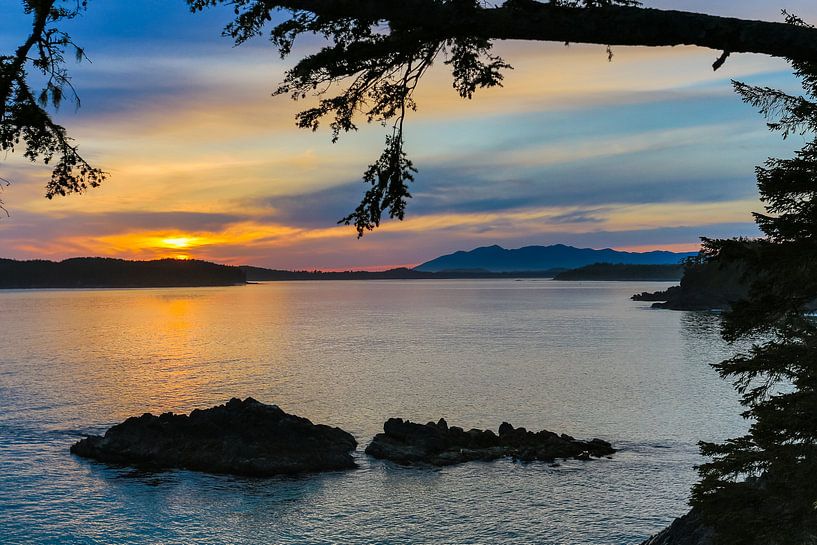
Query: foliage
x=371 y=71
x=24 y=120
x=761 y=488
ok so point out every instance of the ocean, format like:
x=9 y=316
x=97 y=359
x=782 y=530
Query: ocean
x=572 y=357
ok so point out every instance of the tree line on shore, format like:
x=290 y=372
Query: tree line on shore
x=99 y=272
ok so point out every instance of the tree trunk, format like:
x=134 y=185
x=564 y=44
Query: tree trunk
x=529 y=20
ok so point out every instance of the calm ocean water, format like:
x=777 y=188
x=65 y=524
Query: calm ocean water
x=578 y=358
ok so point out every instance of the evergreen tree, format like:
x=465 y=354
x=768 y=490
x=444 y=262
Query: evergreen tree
x=25 y=123
x=761 y=488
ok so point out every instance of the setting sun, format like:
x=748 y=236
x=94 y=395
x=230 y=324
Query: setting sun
x=413 y=223
x=178 y=242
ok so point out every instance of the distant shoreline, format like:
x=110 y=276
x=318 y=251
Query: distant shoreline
x=108 y=273
x=601 y=272
x=258 y=274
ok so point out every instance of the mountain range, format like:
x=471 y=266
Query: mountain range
x=539 y=258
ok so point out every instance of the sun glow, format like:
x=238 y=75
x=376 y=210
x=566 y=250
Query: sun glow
x=179 y=242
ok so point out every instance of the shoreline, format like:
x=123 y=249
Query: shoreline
x=309 y=280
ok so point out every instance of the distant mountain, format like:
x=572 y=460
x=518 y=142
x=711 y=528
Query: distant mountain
x=100 y=272
x=538 y=258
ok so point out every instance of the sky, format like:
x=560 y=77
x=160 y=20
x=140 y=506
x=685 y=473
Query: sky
x=652 y=150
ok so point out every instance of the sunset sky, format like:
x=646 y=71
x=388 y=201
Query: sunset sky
x=650 y=151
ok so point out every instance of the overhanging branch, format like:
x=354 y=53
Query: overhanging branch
x=623 y=26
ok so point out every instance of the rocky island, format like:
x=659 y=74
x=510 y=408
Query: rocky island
x=438 y=444
x=241 y=438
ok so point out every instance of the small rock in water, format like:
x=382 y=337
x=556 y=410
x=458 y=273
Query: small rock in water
x=242 y=438
x=438 y=444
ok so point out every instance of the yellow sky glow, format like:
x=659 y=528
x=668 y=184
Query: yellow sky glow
x=234 y=150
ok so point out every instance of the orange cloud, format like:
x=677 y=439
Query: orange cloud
x=259 y=238
x=225 y=146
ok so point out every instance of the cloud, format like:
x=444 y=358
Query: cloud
x=643 y=168
x=651 y=149
x=31 y=227
x=578 y=216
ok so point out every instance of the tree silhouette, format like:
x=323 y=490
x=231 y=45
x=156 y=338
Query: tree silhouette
x=761 y=488
x=758 y=489
x=24 y=120
x=379 y=50
x=376 y=54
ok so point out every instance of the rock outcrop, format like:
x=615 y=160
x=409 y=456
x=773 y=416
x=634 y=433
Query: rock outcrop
x=437 y=444
x=657 y=296
x=242 y=438
x=706 y=286
x=686 y=530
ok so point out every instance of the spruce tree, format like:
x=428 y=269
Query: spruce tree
x=762 y=488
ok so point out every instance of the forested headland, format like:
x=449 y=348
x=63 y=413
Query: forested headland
x=102 y=272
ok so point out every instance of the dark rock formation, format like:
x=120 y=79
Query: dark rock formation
x=686 y=530
x=704 y=286
x=437 y=444
x=242 y=438
x=658 y=296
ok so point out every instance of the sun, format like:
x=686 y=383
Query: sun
x=178 y=246
x=179 y=243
